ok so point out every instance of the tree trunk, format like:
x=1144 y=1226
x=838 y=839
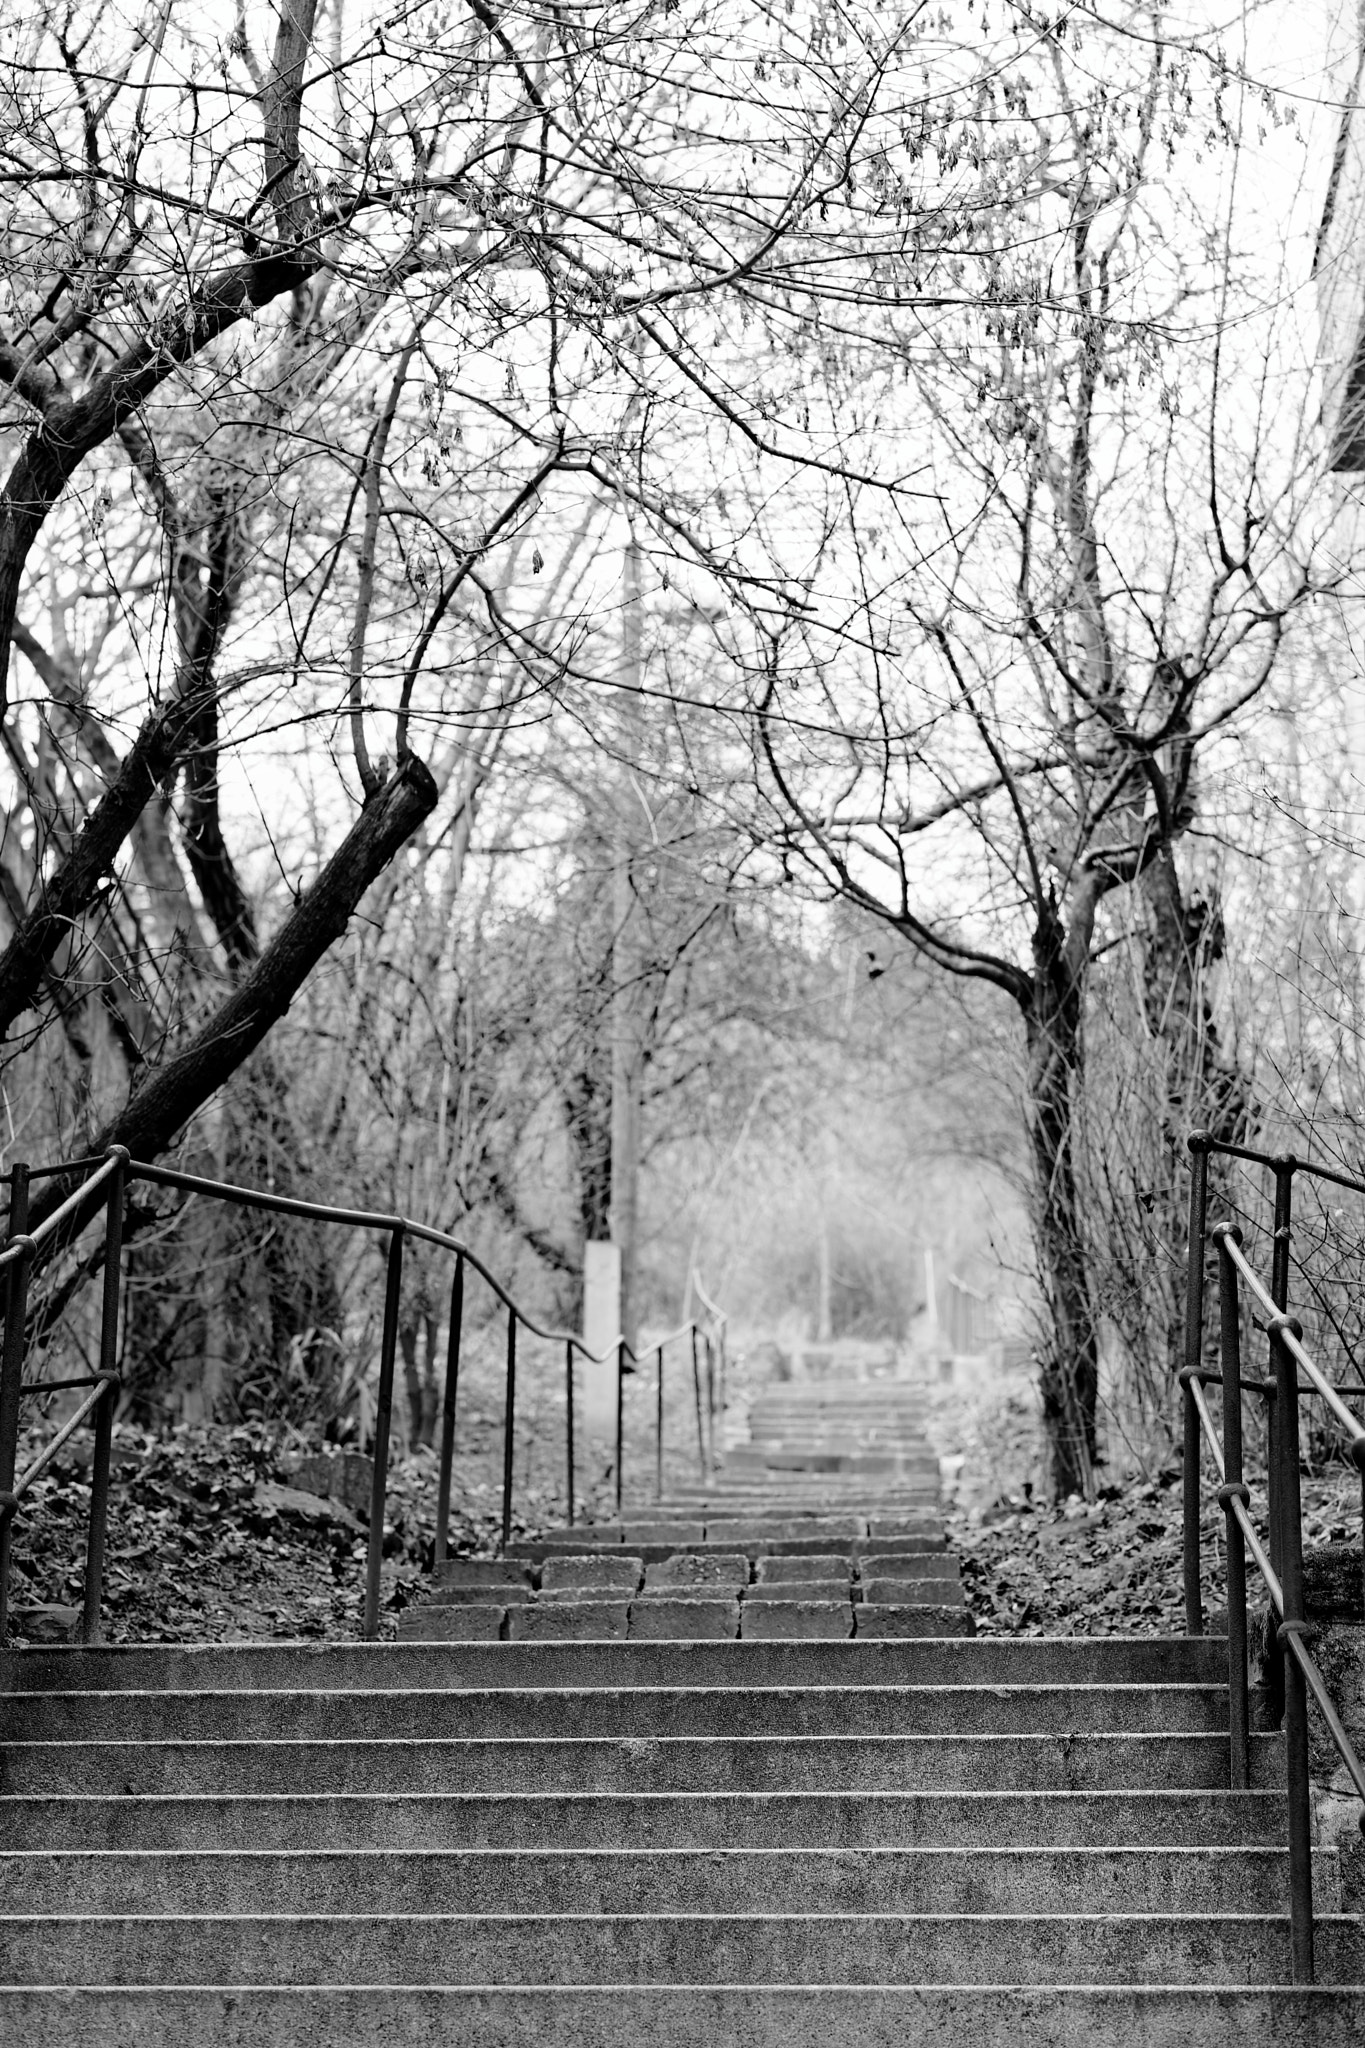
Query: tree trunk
x=1202 y=1089
x=71 y=890
x=1070 y=1365
x=175 y=1091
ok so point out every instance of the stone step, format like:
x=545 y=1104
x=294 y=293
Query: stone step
x=672 y=1763
x=923 y=1507
x=801 y=1589
x=1054 y=1662
x=635 y=1710
x=921 y=1535
x=992 y=1879
x=898 y=1591
x=787 y=1615
x=652 y=1948
x=907 y=1444
x=679 y=2016
x=684 y=1820
x=784 y=1620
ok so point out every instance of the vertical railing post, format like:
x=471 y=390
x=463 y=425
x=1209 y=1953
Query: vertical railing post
x=1230 y=1492
x=568 y=1425
x=711 y=1400
x=1286 y=1373
x=451 y=1395
x=620 y=1415
x=659 y=1423
x=12 y=1371
x=696 y=1391
x=388 y=1351
x=104 y=1414
x=1194 y=1346
x=509 y=1427
x=1281 y=1245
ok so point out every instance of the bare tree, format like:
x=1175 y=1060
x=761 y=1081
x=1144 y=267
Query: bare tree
x=996 y=733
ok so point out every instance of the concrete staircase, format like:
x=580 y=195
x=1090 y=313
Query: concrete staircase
x=692 y=1816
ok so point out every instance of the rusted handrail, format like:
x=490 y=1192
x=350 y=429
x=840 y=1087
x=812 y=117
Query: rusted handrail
x=1293 y=1673
x=113 y=1172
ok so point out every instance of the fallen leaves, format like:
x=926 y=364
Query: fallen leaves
x=1116 y=1567
x=209 y=1540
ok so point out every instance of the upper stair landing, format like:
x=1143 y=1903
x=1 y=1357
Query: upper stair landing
x=859 y=1431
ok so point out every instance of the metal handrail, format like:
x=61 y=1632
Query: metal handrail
x=113 y=1173
x=1292 y=1671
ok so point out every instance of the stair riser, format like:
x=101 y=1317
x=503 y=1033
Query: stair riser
x=925 y=1586
x=665 y=1820
x=920 y=1536
x=663 y=1950
x=659 y=2017
x=668 y=1764
x=1165 y=1880
x=631 y=1711
x=1072 y=1660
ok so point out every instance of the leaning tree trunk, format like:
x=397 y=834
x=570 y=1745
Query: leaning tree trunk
x=172 y=1094
x=1069 y=1376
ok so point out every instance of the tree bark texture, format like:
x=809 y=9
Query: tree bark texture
x=1202 y=1088
x=71 y=890
x=1069 y=1377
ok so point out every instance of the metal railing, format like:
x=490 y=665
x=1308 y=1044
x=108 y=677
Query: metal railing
x=108 y=1179
x=1293 y=1676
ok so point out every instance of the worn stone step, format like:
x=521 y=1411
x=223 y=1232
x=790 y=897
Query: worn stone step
x=372 y=1667
x=623 y=1710
x=570 y=1620
x=622 y=1820
x=911 y=1618
x=776 y=1571
x=717 y=1573
x=620 y=1570
x=899 y=1592
x=474 y=1595
x=994 y=1879
x=722 y=2016
x=928 y=1537
x=646 y=1948
x=906 y=1564
x=676 y=1763
x=775 y=1617
x=483 y=1572
x=446 y=1621
x=812 y=1588
x=797 y=1493
x=663 y=1618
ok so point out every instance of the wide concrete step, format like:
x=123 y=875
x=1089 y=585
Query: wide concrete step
x=681 y=1820
x=670 y=1763
x=639 y=1710
x=652 y=1948
x=374 y=1667
x=658 y=2016
x=994 y=1879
